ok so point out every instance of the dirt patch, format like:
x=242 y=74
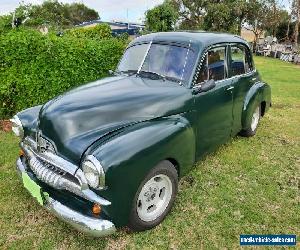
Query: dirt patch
x=5 y=125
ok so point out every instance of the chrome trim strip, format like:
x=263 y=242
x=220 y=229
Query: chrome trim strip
x=92 y=226
x=142 y=63
x=50 y=157
x=100 y=170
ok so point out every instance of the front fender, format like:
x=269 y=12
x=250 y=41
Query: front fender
x=29 y=118
x=129 y=156
x=260 y=92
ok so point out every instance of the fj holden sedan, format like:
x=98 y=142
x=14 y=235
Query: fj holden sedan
x=110 y=153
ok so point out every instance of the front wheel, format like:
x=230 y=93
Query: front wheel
x=251 y=131
x=155 y=197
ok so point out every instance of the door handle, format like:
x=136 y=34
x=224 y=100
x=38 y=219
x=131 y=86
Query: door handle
x=230 y=88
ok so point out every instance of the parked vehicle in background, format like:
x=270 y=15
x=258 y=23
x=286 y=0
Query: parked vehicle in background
x=110 y=153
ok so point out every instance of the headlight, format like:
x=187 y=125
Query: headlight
x=17 y=126
x=93 y=172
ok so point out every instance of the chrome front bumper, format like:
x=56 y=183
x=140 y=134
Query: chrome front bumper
x=86 y=224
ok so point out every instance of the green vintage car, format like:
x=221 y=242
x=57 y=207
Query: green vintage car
x=110 y=153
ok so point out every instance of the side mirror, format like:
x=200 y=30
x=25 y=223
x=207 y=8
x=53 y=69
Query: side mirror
x=206 y=86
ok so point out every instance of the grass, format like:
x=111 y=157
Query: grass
x=246 y=186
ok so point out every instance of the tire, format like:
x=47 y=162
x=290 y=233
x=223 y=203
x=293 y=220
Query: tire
x=251 y=131
x=154 y=197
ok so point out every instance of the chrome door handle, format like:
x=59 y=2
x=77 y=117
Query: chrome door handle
x=230 y=88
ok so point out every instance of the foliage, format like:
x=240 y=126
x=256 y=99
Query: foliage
x=229 y=15
x=100 y=31
x=161 y=18
x=123 y=37
x=79 y=13
x=5 y=23
x=263 y=15
x=191 y=13
x=215 y=15
x=34 y=68
x=55 y=14
x=219 y=18
x=247 y=186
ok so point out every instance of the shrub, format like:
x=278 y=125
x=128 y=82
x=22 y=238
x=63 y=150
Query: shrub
x=100 y=31
x=34 y=68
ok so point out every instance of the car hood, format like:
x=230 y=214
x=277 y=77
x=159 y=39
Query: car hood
x=76 y=119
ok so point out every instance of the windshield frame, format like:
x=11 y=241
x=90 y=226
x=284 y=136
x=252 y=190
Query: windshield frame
x=182 y=82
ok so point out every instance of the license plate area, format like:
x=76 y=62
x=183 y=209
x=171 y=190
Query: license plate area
x=34 y=189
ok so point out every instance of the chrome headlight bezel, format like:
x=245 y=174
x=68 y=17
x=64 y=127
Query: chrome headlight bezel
x=17 y=126
x=93 y=172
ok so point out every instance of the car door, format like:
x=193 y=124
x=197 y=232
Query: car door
x=214 y=107
x=243 y=76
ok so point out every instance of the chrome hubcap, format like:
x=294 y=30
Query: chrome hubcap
x=154 y=197
x=255 y=119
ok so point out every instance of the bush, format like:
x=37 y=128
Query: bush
x=34 y=68
x=100 y=31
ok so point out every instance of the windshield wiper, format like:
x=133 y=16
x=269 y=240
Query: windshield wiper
x=152 y=75
x=127 y=72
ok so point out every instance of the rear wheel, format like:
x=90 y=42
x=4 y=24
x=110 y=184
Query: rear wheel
x=251 y=131
x=155 y=197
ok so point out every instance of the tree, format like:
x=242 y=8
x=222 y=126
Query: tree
x=55 y=14
x=161 y=18
x=79 y=13
x=285 y=28
x=214 y=15
x=257 y=19
x=191 y=13
x=219 y=18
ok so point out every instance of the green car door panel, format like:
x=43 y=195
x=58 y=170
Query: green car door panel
x=128 y=157
x=259 y=93
x=213 y=117
x=119 y=128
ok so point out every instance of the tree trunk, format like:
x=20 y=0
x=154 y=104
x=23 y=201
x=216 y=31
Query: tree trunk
x=296 y=32
x=287 y=36
x=255 y=42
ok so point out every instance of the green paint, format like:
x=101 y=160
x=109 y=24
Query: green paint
x=33 y=188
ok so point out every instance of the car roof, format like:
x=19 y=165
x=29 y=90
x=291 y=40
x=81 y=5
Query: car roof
x=195 y=38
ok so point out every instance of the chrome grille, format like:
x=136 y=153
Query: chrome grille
x=57 y=172
x=43 y=144
x=48 y=173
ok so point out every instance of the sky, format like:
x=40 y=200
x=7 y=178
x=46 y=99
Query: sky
x=109 y=10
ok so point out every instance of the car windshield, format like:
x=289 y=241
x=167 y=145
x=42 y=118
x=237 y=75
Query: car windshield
x=169 y=61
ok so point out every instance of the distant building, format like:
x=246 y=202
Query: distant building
x=117 y=28
x=249 y=36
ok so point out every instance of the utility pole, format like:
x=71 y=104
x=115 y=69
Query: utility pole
x=127 y=20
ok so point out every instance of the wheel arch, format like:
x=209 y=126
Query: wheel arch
x=258 y=94
x=129 y=156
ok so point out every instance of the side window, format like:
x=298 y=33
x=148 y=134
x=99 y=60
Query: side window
x=240 y=60
x=213 y=65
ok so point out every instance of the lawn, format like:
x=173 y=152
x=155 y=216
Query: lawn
x=247 y=186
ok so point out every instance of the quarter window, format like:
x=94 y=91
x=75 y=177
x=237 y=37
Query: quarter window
x=213 y=66
x=240 y=60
